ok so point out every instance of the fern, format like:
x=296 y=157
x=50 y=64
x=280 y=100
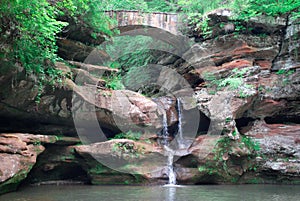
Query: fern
x=233 y=83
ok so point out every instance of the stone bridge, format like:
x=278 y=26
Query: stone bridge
x=158 y=25
x=127 y=18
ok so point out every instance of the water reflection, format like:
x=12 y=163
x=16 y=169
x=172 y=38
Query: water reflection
x=170 y=193
x=155 y=193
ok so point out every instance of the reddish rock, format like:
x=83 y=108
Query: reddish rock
x=268 y=107
x=124 y=156
x=18 y=154
x=168 y=104
x=238 y=63
x=281 y=150
x=264 y=64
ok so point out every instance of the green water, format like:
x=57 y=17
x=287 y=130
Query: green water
x=157 y=193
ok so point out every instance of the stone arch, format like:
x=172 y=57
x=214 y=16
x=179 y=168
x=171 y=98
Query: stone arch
x=178 y=42
x=165 y=21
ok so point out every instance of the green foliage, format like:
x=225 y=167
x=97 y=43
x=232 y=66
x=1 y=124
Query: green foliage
x=89 y=14
x=243 y=10
x=199 y=6
x=162 y=5
x=218 y=165
x=234 y=81
x=223 y=146
x=127 y=150
x=128 y=135
x=115 y=82
x=132 y=55
x=284 y=76
x=254 y=8
x=33 y=28
x=250 y=143
x=29 y=30
x=285 y=72
x=124 y=5
x=130 y=51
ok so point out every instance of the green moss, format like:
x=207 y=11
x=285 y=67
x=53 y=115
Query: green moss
x=115 y=179
x=128 y=135
x=234 y=180
x=255 y=181
x=295 y=182
x=13 y=183
x=98 y=169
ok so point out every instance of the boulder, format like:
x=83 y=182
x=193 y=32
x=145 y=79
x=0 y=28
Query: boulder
x=115 y=110
x=124 y=157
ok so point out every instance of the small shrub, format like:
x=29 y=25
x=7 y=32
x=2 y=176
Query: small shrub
x=115 y=82
x=234 y=82
x=129 y=135
x=250 y=143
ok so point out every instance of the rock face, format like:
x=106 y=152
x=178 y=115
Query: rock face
x=288 y=57
x=279 y=161
x=84 y=98
x=18 y=154
x=77 y=51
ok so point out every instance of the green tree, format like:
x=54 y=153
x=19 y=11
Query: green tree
x=29 y=30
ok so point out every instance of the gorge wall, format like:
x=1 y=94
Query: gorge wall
x=246 y=92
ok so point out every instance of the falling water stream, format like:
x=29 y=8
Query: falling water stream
x=179 y=137
x=171 y=173
x=169 y=151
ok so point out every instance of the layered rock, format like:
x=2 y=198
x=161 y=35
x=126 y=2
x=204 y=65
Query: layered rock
x=86 y=92
x=18 y=154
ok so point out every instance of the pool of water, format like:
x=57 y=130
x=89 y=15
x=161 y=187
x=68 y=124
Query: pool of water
x=156 y=193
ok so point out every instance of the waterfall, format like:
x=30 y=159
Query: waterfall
x=171 y=173
x=165 y=125
x=180 y=137
x=169 y=151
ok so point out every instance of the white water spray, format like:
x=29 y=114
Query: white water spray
x=180 y=131
x=171 y=173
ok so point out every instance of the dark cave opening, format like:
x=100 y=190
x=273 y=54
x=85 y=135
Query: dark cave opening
x=282 y=119
x=244 y=124
x=204 y=124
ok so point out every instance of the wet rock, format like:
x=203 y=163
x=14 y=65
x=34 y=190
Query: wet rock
x=278 y=96
x=225 y=53
x=169 y=105
x=222 y=119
